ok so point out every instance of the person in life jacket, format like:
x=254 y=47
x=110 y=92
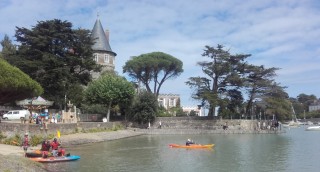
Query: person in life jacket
x=45 y=147
x=55 y=146
x=25 y=143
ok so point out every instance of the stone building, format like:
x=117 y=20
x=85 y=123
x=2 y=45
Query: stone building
x=168 y=100
x=102 y=52
x=197 y=111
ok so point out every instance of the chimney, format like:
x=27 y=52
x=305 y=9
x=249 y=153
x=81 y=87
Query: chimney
x=107 y=34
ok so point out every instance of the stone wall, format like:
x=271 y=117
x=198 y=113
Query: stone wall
x=203 y=123
x=10 y=129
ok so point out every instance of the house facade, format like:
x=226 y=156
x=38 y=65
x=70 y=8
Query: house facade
x=168 y=100
x=314 y=106
x=195 y=109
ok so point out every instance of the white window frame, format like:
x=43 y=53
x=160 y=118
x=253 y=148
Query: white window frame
x=95 y=57
x=106 y=58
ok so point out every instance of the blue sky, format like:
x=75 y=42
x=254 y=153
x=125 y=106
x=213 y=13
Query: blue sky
x=278 y=33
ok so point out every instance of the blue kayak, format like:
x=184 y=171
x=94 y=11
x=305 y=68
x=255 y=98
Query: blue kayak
x=56 y=159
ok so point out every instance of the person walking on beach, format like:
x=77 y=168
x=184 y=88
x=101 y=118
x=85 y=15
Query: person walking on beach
x=25 y=143
x=160 y=124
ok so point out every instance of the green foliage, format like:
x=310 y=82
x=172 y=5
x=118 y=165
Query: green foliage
x=162 y=112
x=223 y=72
x=277 y=103
x=192 y=113
x=313 y=114
x=117 y=127
x=15 y=140
x=56 y=56
x=110 y=90
x=94 y=109
x=155 y=68
x=144 y=108
x=16 y=85
x=258 y=81
x=8 y=48
x=35 y=140
x=2 y=136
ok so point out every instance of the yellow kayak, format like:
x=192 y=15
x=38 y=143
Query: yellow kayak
x=192 y=146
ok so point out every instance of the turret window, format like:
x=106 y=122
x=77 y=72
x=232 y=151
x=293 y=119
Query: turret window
x=106 y=58
x=95 y=57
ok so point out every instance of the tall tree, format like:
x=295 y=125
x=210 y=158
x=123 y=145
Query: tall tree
x=16 y=85
x=223 y=72
x=277 y=102
x=144 y=108
x=257 y=82
x=8 y=49
x=110 y=90
x=153 y=69
x=56 y=56
x=306 y=99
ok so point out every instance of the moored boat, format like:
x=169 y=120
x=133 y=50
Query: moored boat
x=56 y=159
x=313 y=128
x=192 y=146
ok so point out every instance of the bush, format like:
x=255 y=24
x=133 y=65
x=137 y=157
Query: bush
x=2 y=136
x=15 y=140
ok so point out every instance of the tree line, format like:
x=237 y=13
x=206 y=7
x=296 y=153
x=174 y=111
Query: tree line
x=58 y=59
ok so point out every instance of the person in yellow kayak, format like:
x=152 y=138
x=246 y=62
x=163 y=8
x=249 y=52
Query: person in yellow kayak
x=189 y=142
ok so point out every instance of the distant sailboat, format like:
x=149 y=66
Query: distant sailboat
x=294 y=122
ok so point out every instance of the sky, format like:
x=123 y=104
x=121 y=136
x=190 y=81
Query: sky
x=277 y=33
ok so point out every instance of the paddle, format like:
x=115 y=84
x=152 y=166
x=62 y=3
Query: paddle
x=58 y=136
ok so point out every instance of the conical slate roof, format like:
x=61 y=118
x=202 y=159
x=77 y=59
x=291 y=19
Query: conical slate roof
x=101 y=42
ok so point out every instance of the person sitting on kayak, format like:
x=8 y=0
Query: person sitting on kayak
x=45 y=146
x=55 y=145
x=189 y=142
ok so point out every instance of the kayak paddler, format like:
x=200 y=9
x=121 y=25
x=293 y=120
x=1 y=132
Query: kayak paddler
x=189 y=142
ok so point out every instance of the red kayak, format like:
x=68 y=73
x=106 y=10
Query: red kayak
x=192 y=146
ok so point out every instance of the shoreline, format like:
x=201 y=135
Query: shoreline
x=87 y=138
x=12 y=157
x=74 y=139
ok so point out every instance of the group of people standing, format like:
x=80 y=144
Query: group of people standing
x=46 y=117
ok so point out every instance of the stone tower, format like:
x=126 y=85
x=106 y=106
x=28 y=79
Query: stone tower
x=102 y=52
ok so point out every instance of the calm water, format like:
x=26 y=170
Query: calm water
x=294 y=151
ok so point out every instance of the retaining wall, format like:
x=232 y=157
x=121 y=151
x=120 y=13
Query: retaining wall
x=10 y=129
